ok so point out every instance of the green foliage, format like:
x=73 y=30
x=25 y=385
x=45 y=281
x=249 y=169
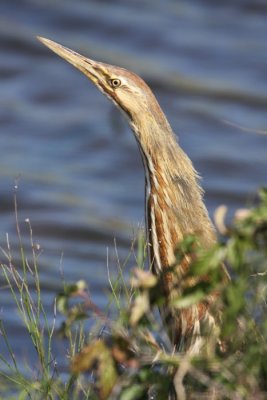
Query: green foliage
x=135 y=360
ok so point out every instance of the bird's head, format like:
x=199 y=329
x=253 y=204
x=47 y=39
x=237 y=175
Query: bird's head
x=126 y=89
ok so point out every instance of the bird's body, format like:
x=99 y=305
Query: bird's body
x=174 y=205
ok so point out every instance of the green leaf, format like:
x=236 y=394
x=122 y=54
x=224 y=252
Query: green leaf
x=188 y=300
x=62 y=304
x=134 y=392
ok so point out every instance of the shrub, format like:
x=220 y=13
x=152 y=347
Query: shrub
x=131 y=358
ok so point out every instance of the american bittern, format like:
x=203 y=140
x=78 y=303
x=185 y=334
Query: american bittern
x=174 y=205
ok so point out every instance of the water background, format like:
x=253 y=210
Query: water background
x=79 y=174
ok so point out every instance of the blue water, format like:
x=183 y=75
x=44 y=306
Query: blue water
x=79 y=174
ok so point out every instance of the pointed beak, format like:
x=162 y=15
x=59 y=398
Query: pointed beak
x=90 y=68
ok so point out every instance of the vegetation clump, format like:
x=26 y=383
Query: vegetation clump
x=128 y=356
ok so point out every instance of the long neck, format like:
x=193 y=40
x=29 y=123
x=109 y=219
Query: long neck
x=174 y=205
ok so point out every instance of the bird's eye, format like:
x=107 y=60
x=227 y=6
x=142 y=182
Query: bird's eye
x=114 y=83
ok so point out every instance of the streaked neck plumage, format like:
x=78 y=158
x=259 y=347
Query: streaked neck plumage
x=174 y=205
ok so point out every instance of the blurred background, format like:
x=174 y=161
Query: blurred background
x=74 y=159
